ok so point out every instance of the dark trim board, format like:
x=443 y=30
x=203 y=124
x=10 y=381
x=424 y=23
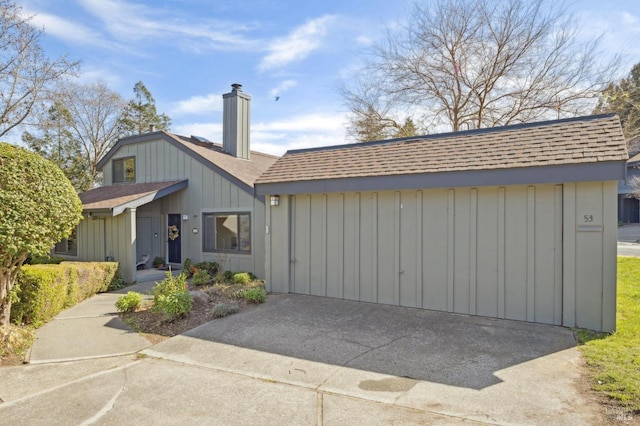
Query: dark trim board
x=601 y=171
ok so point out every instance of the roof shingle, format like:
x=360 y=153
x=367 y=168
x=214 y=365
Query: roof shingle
x=571 y=141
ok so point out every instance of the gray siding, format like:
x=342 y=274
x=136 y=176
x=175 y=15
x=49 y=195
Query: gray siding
x=208 y=191
x=500 y=251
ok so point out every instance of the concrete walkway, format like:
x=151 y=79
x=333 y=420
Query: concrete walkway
x=299 y=360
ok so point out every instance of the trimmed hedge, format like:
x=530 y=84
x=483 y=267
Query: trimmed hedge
x=43 y=291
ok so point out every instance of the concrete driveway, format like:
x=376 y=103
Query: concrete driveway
x=310 y=360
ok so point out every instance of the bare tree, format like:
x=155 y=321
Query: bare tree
x=467 y=64
x=26 y=73
x=95 y=113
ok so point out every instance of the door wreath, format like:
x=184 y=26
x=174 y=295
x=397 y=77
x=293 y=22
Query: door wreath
x=174 y=232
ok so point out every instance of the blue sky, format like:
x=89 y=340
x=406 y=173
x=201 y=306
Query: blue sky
x=189 y=52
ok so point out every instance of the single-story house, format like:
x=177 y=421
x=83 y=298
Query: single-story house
x=516 y=222
x=178 y=197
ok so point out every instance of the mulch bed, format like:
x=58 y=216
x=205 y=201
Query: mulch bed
x=157 y=327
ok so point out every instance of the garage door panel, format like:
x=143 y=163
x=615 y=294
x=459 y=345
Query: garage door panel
x=368 y=248
x=334 y=245
x=317 y=256
x=490 y=251
x=301 y=236
x=487 y=253
x=461 y=257
x=409 y=249
x=435 y=249
x=545 y=255
x=515 y=264
x=351 y=248
x=387 y=270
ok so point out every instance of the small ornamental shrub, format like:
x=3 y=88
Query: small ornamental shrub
x=210 y=268
x=187 y=267
x=171 y=284
x=228 y=276
x=201 y=278
x=241 y=278
x=171 y=296
x=118 y=283
x=129 y=302
x=158 y=261
x=174 y=304
x=222 y=310
x=254 y=295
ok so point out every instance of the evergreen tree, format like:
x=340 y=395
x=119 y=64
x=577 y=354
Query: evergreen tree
x=141 y=112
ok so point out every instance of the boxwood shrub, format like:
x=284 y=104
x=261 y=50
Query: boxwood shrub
x=44 y=290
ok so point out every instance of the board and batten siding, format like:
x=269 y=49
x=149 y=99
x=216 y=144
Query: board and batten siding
x=502 y=251
x=208 y=191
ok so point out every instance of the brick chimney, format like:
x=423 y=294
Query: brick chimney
x=235 y=122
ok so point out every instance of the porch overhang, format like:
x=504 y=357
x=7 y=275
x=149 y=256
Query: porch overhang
x=115 y=199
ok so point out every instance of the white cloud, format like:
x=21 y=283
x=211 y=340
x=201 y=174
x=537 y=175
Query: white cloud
x=69 y=31
x=276 y=137
x=133 y=22
x=199 y=105
x=297 y=45
x=283 y=87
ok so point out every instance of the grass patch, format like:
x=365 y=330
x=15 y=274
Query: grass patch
x=614 y=359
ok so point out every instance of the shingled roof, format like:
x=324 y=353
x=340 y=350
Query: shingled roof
x=582 y=140
x=240 y=171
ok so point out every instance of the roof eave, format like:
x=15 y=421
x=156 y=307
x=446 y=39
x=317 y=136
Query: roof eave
x=598 y=171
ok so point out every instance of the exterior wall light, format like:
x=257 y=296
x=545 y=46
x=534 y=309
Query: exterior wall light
x=275 y=200
x=194 y=230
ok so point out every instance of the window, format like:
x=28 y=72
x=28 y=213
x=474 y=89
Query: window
x=228 y=232
x=67 y=246
x=124 y=170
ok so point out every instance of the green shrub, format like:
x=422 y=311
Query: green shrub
x=129 y=302
x=187 y=268
x=171 y=284
x=254 y=295
x=201 y=278
x=157 y=261
x=241 y=278
x=118 y=283
x=228 y=276
x=174 y=304
x=210 y=268
x=43 y=260
x=222 y=310
x=44 y=290
x=41 y=294
x=171 y=296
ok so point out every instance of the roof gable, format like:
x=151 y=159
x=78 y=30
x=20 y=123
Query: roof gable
x=241 y=172
x=582 y=140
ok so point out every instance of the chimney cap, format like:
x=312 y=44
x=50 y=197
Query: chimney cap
x=237 y=87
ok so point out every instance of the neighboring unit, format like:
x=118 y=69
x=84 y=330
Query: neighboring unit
x=178 y=197
x=516 y=222
x=628 y=204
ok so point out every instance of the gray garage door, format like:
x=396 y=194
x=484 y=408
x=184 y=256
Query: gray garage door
x=490 y=251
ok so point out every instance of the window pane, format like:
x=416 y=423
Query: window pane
x=130 y=170
x=227 y=232
x=118 y=171
x=208 y=232
x=245 y=233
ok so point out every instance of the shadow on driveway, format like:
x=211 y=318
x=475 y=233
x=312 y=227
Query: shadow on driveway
x=457 y=350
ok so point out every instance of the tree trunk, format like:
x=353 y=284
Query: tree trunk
x=6 y=284
x=7 y=279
